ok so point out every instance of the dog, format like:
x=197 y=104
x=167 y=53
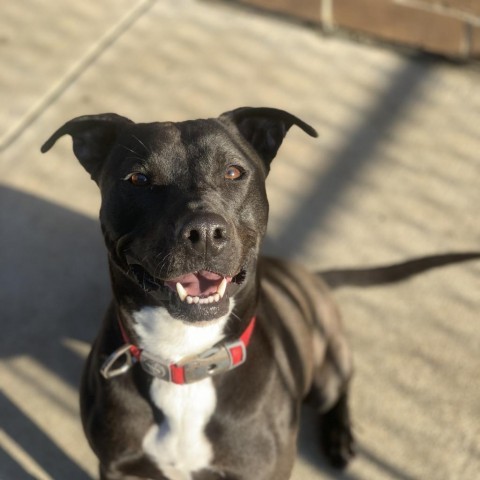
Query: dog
x=208 y=349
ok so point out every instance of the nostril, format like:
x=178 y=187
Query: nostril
x=219 y=234
x=194 y=236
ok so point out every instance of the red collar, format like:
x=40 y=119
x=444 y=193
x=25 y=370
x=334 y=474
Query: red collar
x=220 y=358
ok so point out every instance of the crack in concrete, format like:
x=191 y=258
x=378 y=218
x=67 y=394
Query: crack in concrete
x=72 y=75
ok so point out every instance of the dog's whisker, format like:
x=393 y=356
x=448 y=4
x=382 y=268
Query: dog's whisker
x=147 y=150
x=129 y=149
x=234 y=315
x=161 y=264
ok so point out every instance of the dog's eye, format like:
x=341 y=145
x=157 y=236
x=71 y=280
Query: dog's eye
x=138 y=179
x=234 y=172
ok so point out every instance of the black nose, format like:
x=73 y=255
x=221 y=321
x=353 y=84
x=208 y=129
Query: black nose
x=205 y=233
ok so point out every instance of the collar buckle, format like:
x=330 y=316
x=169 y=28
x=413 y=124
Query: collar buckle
x=218 y=359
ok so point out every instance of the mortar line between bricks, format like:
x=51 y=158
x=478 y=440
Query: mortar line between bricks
x=75 y=72
x=326 y=14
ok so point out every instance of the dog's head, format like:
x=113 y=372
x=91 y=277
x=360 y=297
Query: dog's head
x=184 y=207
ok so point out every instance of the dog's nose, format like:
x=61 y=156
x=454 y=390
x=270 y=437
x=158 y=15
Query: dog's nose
x=205 y=233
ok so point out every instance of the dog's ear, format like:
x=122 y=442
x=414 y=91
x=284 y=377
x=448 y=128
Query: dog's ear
x=265 y=128
x=93 y=137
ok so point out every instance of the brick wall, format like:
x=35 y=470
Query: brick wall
x=445 y=27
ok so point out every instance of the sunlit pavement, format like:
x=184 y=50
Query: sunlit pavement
x=395 y=174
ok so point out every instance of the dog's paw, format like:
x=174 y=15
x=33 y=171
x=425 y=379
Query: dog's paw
x=338 y=443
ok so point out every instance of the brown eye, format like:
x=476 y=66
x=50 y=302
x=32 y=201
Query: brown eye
x=233 y=172
x=138 y=179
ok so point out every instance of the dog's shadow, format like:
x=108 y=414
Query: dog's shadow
x=54 y=281
x=54 y=291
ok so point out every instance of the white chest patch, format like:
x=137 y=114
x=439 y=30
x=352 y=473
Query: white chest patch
x=178 y=445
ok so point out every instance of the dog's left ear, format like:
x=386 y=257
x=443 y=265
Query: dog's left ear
x=93 y=137
x=265 y=128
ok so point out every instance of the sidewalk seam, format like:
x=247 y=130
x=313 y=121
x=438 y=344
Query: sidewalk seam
x=75 y=72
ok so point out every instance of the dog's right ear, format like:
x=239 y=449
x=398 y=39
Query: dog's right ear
x=265 y=128
x=93 y=137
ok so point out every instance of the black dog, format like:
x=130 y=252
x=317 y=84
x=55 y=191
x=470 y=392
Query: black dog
x=223 y=345
x=207 y=350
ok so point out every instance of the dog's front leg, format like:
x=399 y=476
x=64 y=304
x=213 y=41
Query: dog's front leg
x=134 y=467
x=329 y=395
x=336 y=434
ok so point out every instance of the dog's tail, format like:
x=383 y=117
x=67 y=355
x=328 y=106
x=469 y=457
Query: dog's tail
x=365 y=277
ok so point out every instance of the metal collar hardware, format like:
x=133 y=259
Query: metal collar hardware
x=218 y=359
x=112 y=366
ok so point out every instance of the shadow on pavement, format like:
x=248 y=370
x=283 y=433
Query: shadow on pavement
x=54 y=281
x=54 y=287
x=37 y=443
x=358 y=150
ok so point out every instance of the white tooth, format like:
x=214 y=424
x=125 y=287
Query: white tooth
x=211 y=299
x=203 y=301
x=196 y=299
x=189 y=300
x=217 y=297
x=182 y=293
x=222 y=287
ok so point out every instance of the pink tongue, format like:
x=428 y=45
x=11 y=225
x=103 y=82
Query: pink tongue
x=200 y=284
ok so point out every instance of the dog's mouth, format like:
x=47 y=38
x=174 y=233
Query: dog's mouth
x=201 y=287
x=195 y=295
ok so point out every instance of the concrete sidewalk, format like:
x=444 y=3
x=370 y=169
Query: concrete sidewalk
x=395 y=174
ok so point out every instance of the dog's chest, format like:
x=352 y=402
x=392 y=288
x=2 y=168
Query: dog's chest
x=178 y=445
